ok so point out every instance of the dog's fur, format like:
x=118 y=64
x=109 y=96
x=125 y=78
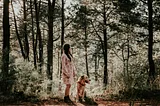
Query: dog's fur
x=81 y=83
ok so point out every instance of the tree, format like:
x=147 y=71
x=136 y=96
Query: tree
x=105 y=79
x=37 y=9
x=81 y=22
x=102 y=24
x=6 y=46
x=51 y=6
x=17 y=33
x=34 y=42
x=129 y=18
x=150 y=42
x=62 y=33
x=26 y=43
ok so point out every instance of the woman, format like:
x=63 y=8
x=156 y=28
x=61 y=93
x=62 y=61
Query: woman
x=68 y=70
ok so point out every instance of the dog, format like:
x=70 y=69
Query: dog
x=81 y=83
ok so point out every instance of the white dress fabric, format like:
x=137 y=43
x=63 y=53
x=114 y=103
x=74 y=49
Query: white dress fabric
x=68 y=70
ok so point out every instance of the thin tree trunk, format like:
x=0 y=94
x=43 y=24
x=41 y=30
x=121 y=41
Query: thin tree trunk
x=40 y=42
x=6 y=47
x=105 y=79
x=37 y=8
x=17 y=33
x=96 y=78
x=86 y=41
x=86 y=55
x=33 y=41
x=150 y=41
x=58 y=63
x=127 y=60
x=26 y=44
x=62 y=33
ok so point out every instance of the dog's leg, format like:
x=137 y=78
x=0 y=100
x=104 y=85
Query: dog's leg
x=83 y=93
x=77 y=95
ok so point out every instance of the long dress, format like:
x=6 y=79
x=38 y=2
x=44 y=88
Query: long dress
x=68 y=70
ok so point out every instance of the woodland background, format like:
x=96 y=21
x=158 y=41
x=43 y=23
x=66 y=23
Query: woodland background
x=114 y=42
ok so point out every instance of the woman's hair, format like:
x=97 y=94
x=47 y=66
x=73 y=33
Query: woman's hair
x=66 y=48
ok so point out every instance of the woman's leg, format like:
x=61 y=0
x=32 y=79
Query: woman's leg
x=67 y=90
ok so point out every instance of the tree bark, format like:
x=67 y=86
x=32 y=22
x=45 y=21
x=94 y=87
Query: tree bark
x=17 y=33
x=105 y=79
x=86 y=41
x=6 y=47
x=86 y=46
x=150 y=41
x=26 y=44
x=62 y=33
x=37 y=8
x=50 y=39
x=33 y=41
x=96 y=77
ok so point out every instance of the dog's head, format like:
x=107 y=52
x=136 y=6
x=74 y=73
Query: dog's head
x=84 y=79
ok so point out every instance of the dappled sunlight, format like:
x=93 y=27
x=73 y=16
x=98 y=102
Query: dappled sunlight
x=80 y=52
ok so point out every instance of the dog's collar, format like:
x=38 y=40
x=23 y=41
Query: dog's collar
x=81 y=84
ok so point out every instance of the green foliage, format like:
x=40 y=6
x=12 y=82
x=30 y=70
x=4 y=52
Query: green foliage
x=128 y=15
x=10 y=79
x=28 y=80
x=81 y=20
x=156 y=19
x=31 y=82
x=136 y=79
x=126 y=5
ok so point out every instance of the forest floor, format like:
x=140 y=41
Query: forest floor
x=60 y=102
x=149 y=99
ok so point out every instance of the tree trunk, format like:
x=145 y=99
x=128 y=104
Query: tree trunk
x=150 y=41
x=50 y=39
x=96 y=78
x=58 y=72
x=86 y=55
x=105 y=79
x=62 y=33
x=33 y=41
x=6 y=47
x=127 y=60
x=86 y=41
x=26 y=44
x=37 y=8
x=17 y=33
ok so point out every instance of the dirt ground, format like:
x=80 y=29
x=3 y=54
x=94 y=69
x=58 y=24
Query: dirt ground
x=58 y=102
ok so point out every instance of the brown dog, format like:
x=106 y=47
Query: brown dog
x=81 y=83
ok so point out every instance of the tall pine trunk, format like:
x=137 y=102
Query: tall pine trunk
x=51 y=6
x=86 y=54
x=105 y=79
x=6 y=47
x=37 y=8
x=34 y=44
x=26 y=43
x=62 y=33
x=86 y=41
x=150 y=41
